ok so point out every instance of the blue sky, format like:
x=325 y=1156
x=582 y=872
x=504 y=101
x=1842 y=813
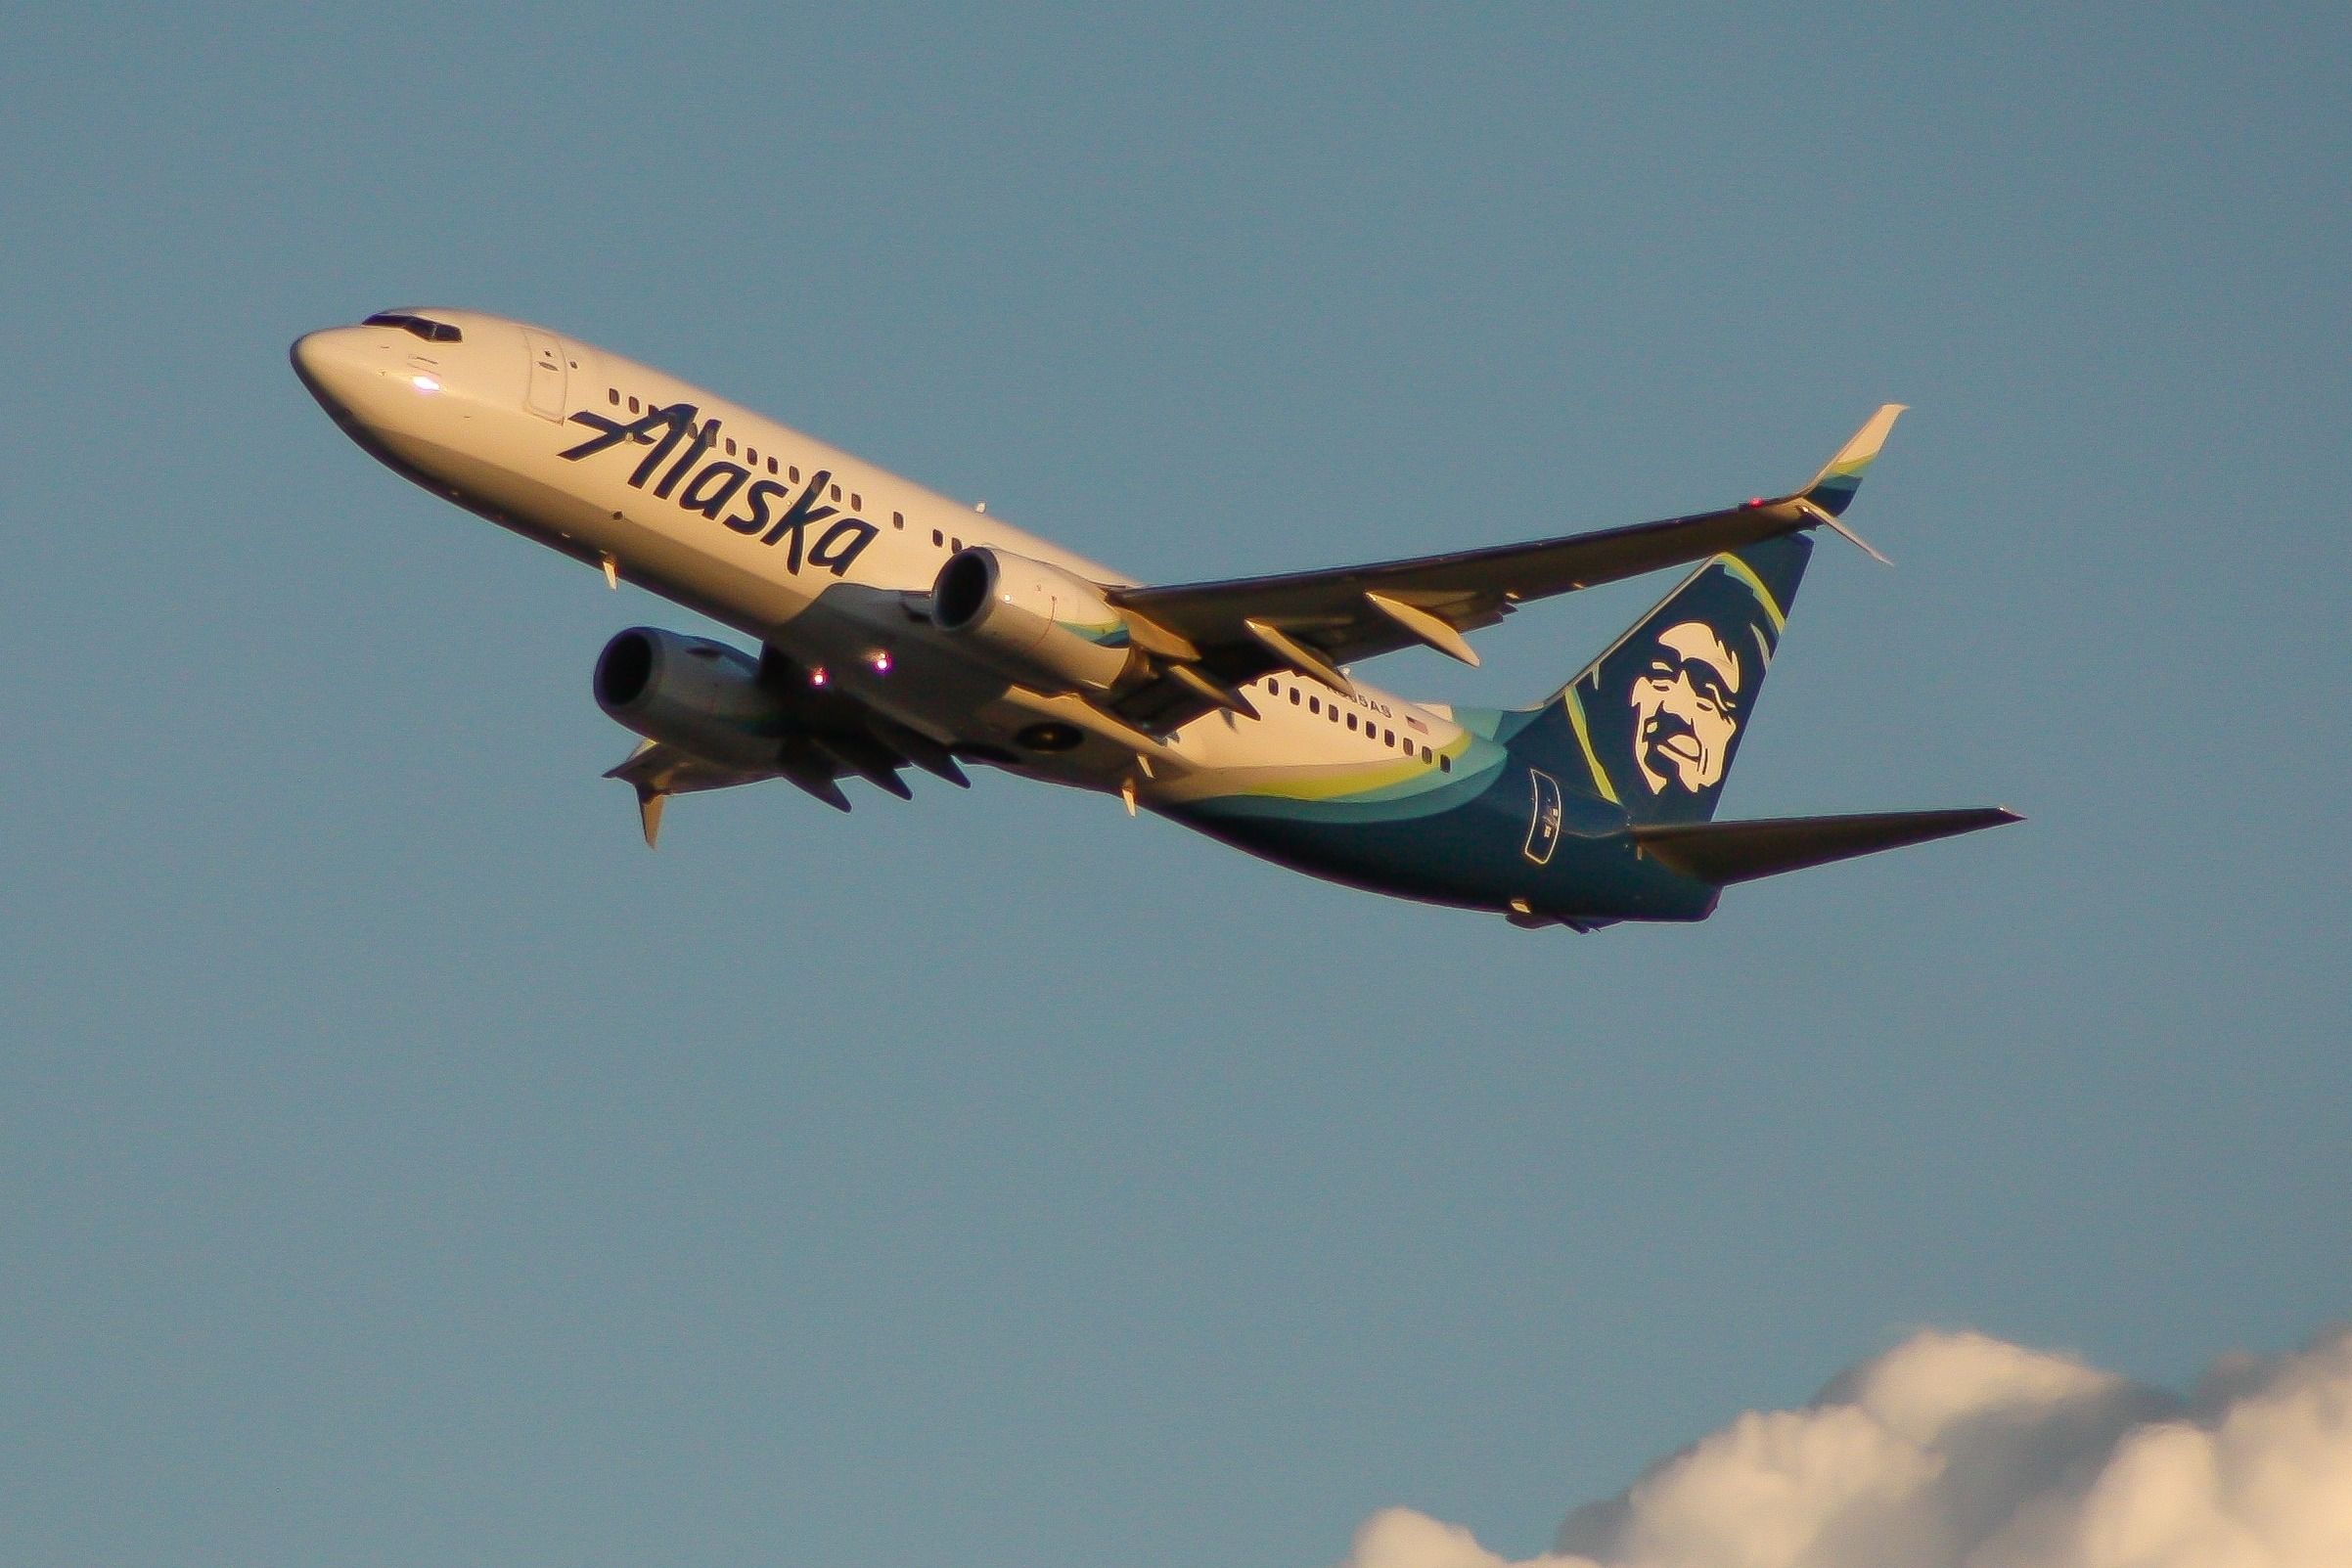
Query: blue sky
x=400 y=1164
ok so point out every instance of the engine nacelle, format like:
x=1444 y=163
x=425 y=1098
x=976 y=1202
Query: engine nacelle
x=693 y=693
x=1032 y=620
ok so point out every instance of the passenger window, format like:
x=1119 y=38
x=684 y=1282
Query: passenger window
x=632 y=405
x=1445 y=764
x=938 y=538
x=1351 y=721
x=857 y=503
x=793 y=474
x=1387 y=738
x=1294 y=697
x=958 y=545
x=771 y=464
x=837 y=492
x=1314 y=704
x=731 y=446
x=751 y=456
x=612 y=395
x=899 y=519
x=1425 y=753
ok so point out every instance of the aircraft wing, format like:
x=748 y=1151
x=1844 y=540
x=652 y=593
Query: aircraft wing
x=658 y=772
x=832 y=737
x=1315 y=621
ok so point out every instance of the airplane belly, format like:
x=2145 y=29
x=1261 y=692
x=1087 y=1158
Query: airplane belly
x=1484 y=841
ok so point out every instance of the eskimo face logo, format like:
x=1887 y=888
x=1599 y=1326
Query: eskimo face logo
x=1685 y=712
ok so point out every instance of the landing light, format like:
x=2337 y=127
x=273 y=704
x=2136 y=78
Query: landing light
x=881 y=663
x=425 y=384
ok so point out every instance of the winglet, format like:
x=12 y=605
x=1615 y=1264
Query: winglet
x=1832 y=488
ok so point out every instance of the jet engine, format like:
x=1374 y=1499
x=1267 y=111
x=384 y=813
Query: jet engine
x=690 y=692
x=1032 y=620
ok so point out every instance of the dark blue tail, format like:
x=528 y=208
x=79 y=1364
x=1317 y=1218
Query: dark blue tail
x=1653 y=723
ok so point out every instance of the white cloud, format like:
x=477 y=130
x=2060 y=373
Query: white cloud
x=1960 y=1451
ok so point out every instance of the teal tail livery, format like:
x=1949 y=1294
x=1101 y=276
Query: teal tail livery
x=1652 y=724
x=895 y=630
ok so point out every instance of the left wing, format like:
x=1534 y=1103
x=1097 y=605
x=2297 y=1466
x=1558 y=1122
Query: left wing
x=831 y=736
x=1315 y=621
x=656 y=772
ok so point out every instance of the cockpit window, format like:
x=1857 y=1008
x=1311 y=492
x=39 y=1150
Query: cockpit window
x=432 y=331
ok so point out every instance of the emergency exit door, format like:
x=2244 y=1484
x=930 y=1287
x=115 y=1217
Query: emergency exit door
x=546 y=394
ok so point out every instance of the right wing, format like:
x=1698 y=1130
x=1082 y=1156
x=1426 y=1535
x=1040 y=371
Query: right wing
x=1315 y=621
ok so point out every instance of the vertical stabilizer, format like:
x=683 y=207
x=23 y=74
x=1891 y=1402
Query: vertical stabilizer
x=1653 y=723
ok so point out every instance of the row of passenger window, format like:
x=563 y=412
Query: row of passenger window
x=1314 y=703
x=751 y=455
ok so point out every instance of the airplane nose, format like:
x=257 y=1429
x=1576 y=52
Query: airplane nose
x=336 y=365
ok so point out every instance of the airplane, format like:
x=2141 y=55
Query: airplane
x=898 y=629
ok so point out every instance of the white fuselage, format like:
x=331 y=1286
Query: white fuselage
x=486 y=422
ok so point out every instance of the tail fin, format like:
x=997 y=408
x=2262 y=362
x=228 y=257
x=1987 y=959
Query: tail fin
x=1652 y=724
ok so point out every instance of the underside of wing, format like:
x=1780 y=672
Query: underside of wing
x=658 y=771
x=779 y=720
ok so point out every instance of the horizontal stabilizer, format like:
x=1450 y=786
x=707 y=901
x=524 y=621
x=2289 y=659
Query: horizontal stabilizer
x=1725 y=852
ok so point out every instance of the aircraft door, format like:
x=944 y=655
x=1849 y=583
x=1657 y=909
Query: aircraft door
x=546 y=393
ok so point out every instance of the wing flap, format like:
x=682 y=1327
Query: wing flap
x=1727 y=852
